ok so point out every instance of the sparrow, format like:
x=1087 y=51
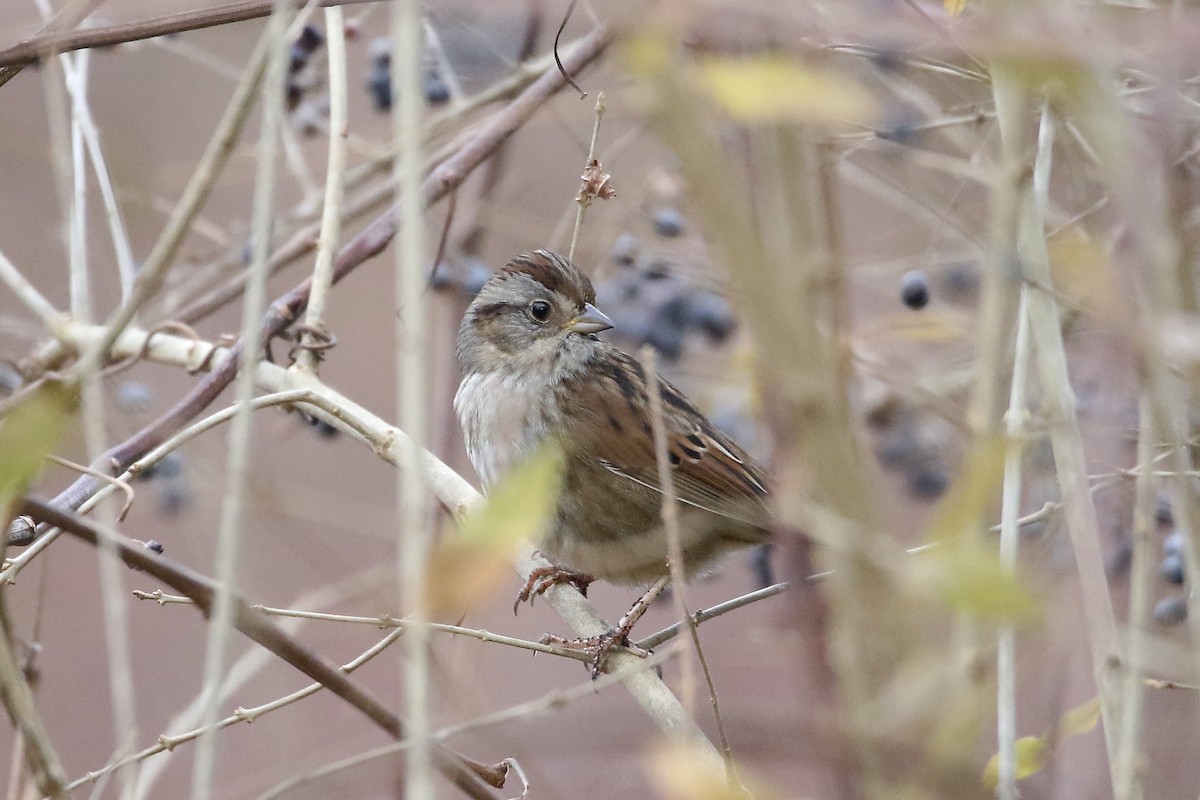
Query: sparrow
x=533 y=372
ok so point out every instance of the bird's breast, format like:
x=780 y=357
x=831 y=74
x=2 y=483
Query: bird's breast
x=500 y=419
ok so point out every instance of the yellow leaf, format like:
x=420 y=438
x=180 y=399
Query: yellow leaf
x=973 y=582
x=1083 y=272
x=778 y=88
x=1032 y=754
x=1057 y=73
x=27 y=434
x=963 y=570
x=1081 y=719
x=954 y=7
x=647 y=53
x=469 y=563
x=974 y=494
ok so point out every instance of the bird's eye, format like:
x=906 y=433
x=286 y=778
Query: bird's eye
x=539 y=310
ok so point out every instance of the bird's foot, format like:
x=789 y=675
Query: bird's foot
x=543 y=578
x=598 y=647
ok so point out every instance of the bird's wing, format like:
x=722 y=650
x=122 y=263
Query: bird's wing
x=709 y=471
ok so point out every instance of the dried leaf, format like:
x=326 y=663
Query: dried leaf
x=779 y=88
x=954 y=7
x=595 y=184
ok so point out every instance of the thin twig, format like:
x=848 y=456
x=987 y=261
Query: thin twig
x=1126 y=785
x=28 y=294
x=444 y=177
x=1065 y=438
x=167 y=743
x=40 y=756
x=203 y=592
x=411 y=349
x=555 y=701
x=387 y=621
x=216 y=155
x=669 y=510
x=116 y=482
x=585 y=197
x=1010 y=538
x=14 y=565
x=712 y=612
x=675 y=563
x=558 y=61
x=49 y=42
x=229 y=527
x=331 y=211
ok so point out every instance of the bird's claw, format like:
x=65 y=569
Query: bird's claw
x=599 y=647
x=543 y=578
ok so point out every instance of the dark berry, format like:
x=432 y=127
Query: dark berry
x=710 y=312
x=899 y=448
x=134 y=397
x=381 y=53
x=657 y=269
x=1171 y=611
x=379 y=85
x=1162 y=511
x=760 y=562
x=475 y=273
x=1171 y=569
x=668 y=222
x=928 y=482
x=666 y=337
x=914 y=289
x=310 y=38
x=887 y=58
x=168 y=466
x=440 y=277
x=295 y=94
x=625 y=250
x=1173 y=544
x=10 y=379
x=900 y=133
x=325 y=430
x=961 y=280
x=435 y=89
x=297 y=58
x=174 y=497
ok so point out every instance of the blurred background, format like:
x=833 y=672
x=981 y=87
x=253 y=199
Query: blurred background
x=896 y=131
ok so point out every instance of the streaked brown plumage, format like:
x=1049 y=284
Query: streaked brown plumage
x=533 y=368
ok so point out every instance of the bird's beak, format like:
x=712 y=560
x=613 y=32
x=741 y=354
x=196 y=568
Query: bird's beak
x=592 y=320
